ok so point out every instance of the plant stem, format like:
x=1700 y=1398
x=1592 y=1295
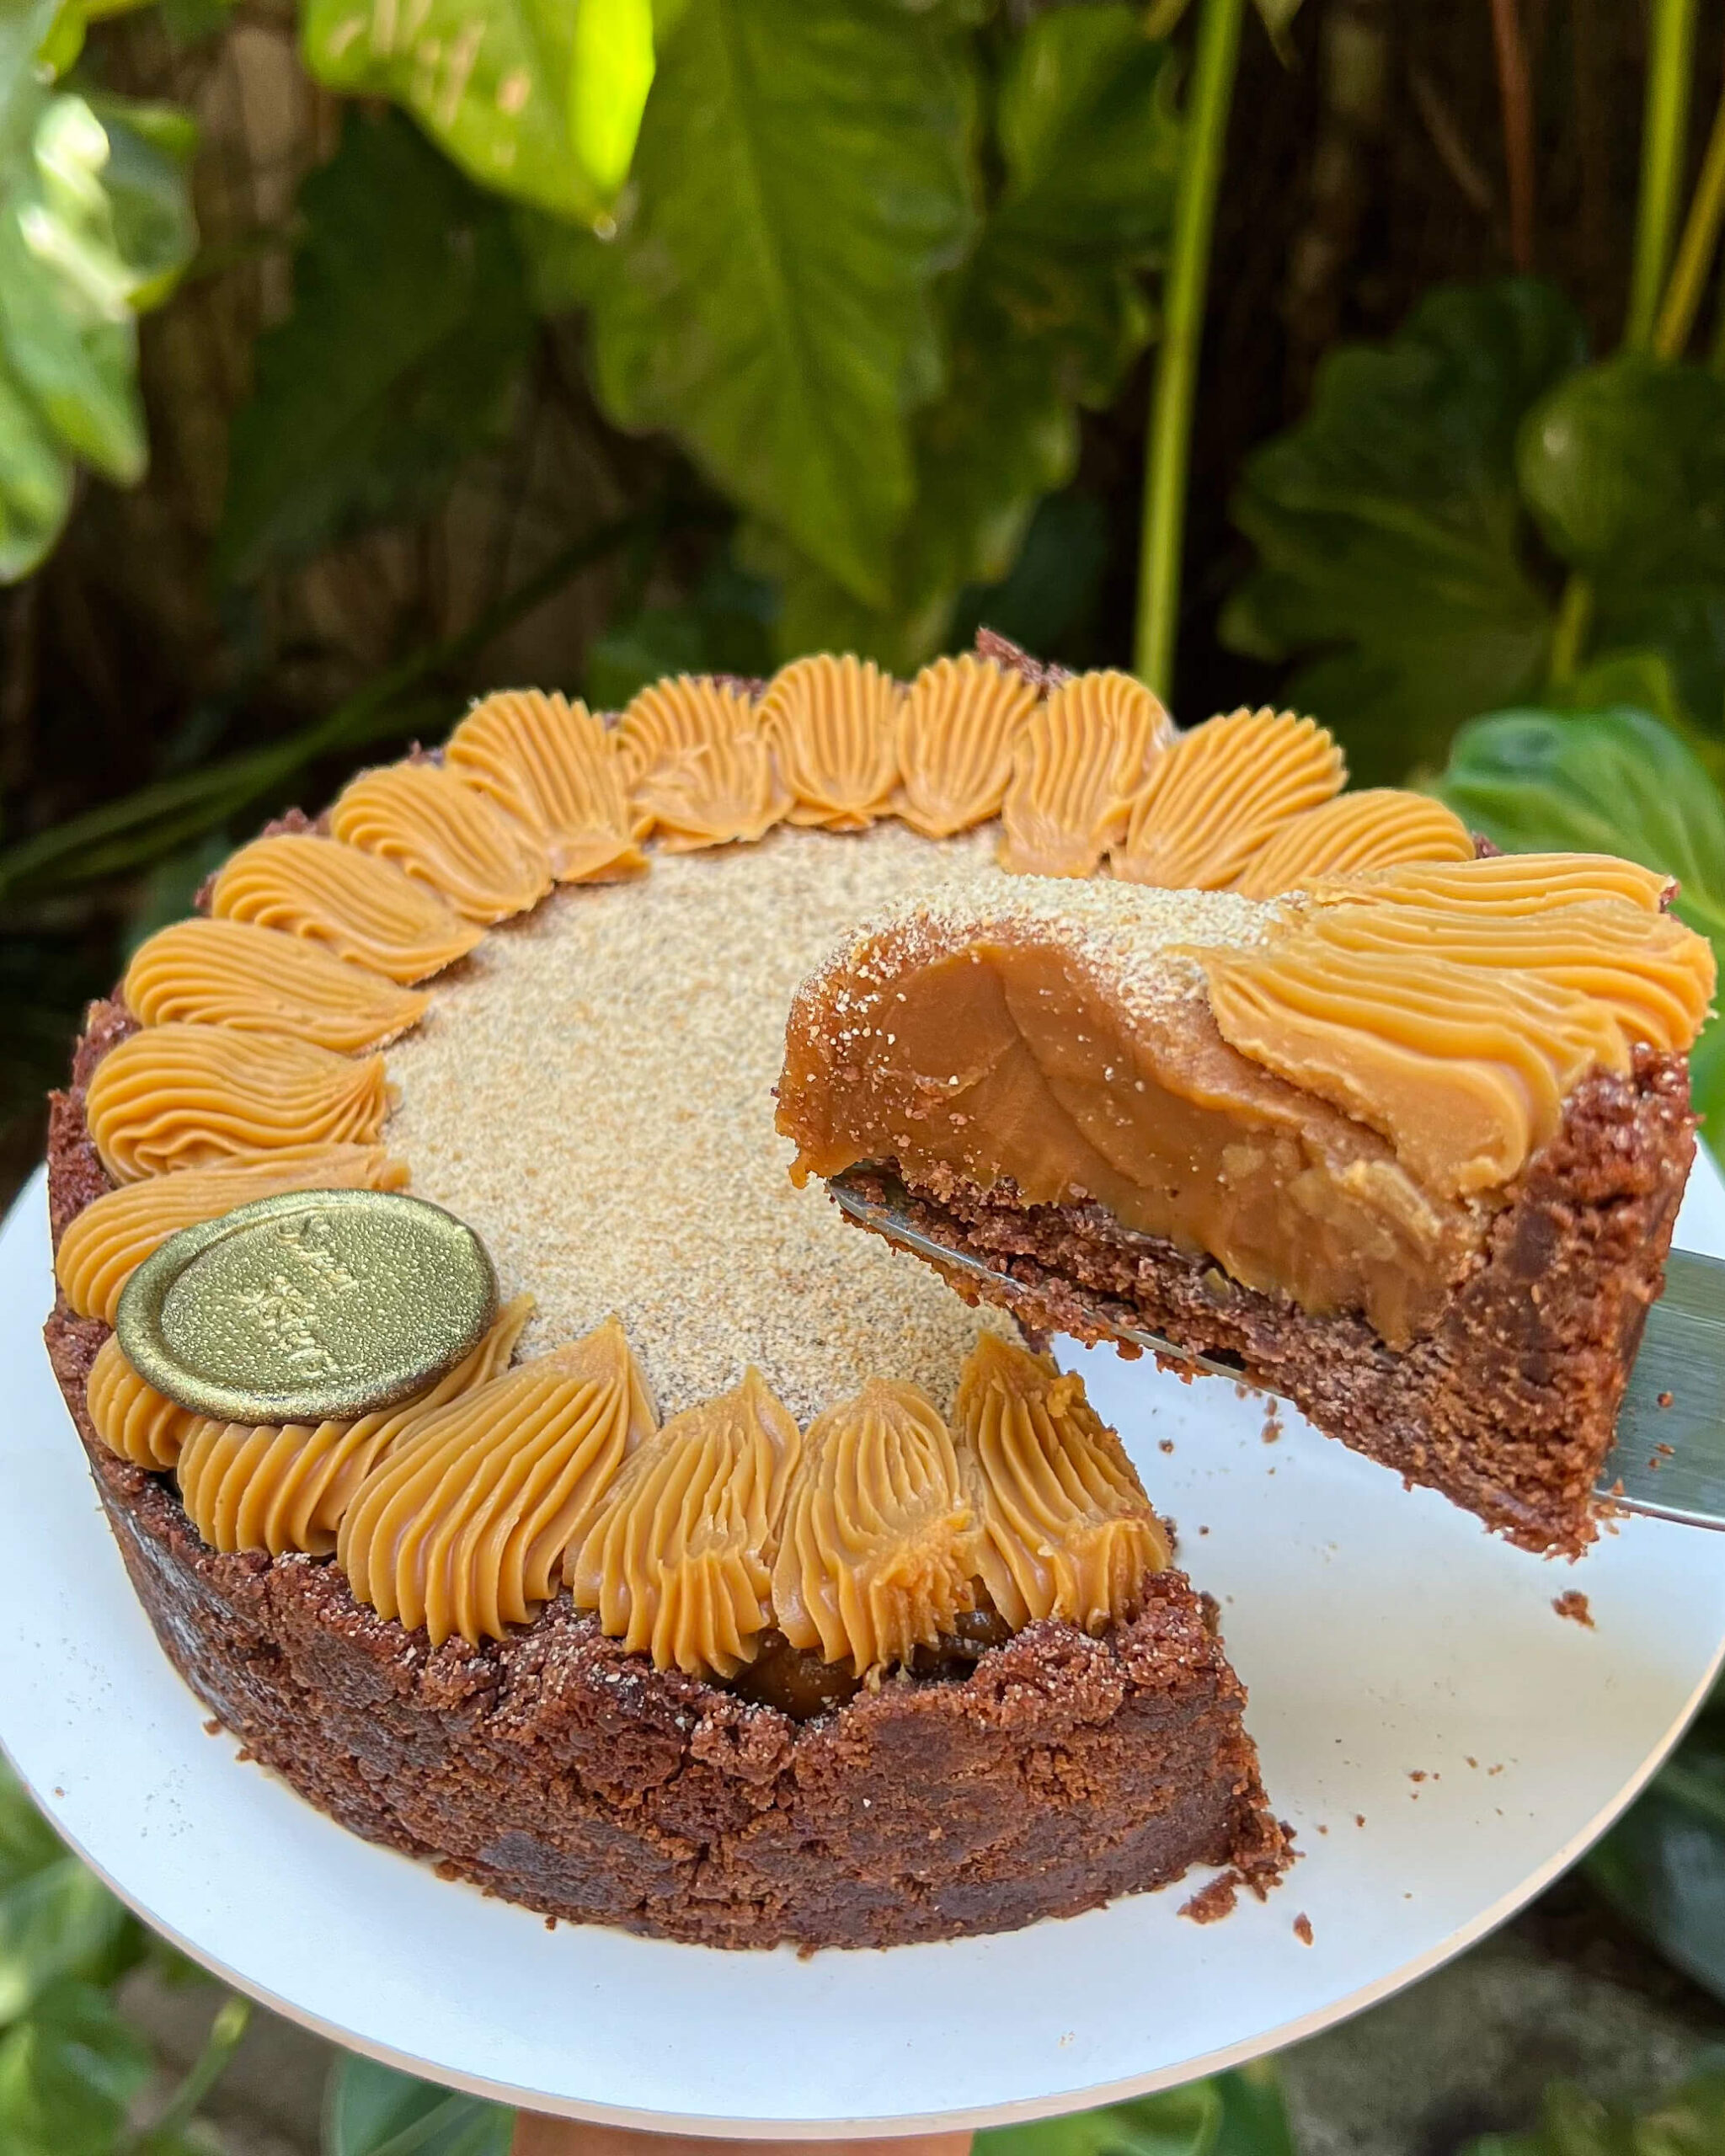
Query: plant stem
x=1168 y=452
x=1575 y=613
x=1665 y=139
x=1695 y=250
x=102 y=843
x=223 y=2040
x=1515 y=94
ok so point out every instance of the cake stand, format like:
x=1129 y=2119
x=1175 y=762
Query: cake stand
x=1443 y=1741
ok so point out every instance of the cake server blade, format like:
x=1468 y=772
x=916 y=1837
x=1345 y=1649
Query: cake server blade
x=1668 y=1459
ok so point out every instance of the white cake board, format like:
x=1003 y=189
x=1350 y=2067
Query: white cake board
x=1383 y=1635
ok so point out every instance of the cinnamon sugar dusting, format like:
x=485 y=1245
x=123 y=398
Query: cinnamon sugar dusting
x=592 y=1094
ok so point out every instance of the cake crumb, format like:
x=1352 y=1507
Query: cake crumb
x=212 y=1727
x=1416 y=1774
x=1166 y=1445
x=1211 y=1903
x=1272 y=1425
x=1574 y=1605
x=1359 y=1818
x=1664 y=1400
x=1302 y=1928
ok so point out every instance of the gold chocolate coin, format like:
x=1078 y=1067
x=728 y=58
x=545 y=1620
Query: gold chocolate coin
x=317 y=1305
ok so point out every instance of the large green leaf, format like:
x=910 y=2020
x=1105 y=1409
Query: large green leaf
x=1044 y=317
x=1179 y=2122
x=56 y=1920
x=374 y=2111
x=1623 y=465
x=1392 y=540
x=490 y=80
x=1614 y=782
x=94 y=227
x=410 y=325
x=67 y=2073
x=803 y=178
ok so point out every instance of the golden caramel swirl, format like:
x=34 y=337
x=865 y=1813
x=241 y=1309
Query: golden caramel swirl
x=679 y=1563
x=831 y=724
x=130 y=1417
x=233 y=973
x=717 y=794
x=186 y=1096
x=1081 y=764
x=668 y=718
x=548 y=763
x=107 y=1242
x=1380 y=828
x=357 y=906
x=1463 y=1068
x=1223 y=790
x=287 y=1486
x=1506 y=883
x=463 y=1528
x=957 y=728
x=1067 y=1531
x=446 y=836
x=1654 y=976
x=879 y=1548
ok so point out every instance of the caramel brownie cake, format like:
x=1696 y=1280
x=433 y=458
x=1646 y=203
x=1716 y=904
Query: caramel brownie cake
x=1406 y=1144
x=737 y=1584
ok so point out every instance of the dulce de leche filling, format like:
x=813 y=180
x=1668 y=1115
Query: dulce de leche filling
x=1011 y=1046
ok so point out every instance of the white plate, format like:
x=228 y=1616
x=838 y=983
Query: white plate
x=1384 y=1636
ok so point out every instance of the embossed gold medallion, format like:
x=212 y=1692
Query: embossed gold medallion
x=312 y=1306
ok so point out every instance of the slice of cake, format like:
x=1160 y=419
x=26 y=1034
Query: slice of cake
x=1407 y=1146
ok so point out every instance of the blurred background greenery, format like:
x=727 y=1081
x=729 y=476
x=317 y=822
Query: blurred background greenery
x=359 y=356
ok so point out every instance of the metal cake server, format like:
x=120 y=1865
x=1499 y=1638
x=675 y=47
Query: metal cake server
x=1668 y=1460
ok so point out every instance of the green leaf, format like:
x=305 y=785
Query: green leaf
x=488 y=80
x=94 y=226
x=374 y=2111
x=610 y=75
x=67 y=2073
x=1613 y=781
x=804 y=178
x=1391 y=537
x=1178 y=2122
x=1044 y=318
x=27 y=1844
x=1623 y=465
x=410 y=327
x=1255 y=2120
x=1690 y=2121
x=59 y=1922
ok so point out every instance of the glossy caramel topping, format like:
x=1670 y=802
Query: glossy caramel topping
x=446 y=836
x=669 y=717
x=107 y=1242
x=830 y=724
x=1508 y=884
x=878 y=1547
x=1380 y=828
x=187 y=1097
x=1081 y=764
x=463 y=1529
x=548 y=763
x=287 y=1486
x=356 y=906
x=1067 y=1531
x=717 y=793
x=1223 y=790
x=130 y=1417
x=233 y=973
x=679 y=1563
x=1057 y=1034
x=1654 y=976
x=957 y=731
x=1464 y=1068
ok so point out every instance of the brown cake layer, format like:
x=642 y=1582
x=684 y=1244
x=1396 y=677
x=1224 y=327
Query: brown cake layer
x=1507 y=1406
x=560 y=1772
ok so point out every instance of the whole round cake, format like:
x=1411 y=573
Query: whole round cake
x=693 y=1564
